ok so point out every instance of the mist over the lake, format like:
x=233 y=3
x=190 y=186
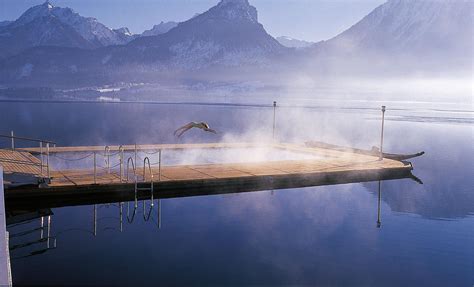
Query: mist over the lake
x=362 y=143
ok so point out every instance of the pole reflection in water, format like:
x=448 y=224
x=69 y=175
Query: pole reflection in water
x=379 y=222
x=95 y=219
x=121 y=216
x=27 y=246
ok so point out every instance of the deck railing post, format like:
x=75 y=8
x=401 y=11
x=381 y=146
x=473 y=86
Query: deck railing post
x=13 y=140
x=107 y=155
x=274 y=118
x=41 y=159
x=47 y=160
x=95 y=167
x=159 y=164
x=381 y=134
x=121 y=162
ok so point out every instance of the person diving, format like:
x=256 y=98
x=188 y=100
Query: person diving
x=201 y=125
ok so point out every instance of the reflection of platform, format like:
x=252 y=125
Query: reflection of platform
x=69 y=187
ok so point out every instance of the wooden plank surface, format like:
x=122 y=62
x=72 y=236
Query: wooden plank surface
x=15 y=161
x=222 y=171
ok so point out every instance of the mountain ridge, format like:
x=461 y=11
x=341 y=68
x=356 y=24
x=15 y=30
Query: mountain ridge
x=47 y=25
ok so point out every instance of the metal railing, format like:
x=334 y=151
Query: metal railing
x=45 y=152
x=44 y=159
x=13 y=138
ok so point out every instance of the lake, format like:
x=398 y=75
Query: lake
x=341 y=235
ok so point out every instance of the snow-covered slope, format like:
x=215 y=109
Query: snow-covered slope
x=159 y=29
x=228 y=33
x=293 y=43
x=45 y=25
x=412 y=26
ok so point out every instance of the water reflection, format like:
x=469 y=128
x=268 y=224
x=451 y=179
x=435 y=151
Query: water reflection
x=297 y=236
x=24 y=239
x=104 y=217
x=27 y=239
x=379 y=221
x=147 y=213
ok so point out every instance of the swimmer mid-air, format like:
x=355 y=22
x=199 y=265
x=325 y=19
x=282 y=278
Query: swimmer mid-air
x=202 y=125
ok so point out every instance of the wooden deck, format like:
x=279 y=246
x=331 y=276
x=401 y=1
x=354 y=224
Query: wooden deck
x=83 y=186
x=15 y=161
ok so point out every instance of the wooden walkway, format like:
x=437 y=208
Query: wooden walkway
x=80 y=185
x=222 y=171
x=16 y=161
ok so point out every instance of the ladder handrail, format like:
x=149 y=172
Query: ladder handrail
x=130 y=160
x=145 y=161
x=130 y=219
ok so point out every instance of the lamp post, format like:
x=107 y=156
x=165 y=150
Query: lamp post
x=274 y=116
x=381 y=134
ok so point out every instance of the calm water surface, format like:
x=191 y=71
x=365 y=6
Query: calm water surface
x=324 y=236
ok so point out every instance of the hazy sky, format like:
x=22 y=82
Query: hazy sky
x=311 y=20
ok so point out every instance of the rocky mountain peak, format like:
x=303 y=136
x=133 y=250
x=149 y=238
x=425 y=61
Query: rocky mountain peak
x=232 y=10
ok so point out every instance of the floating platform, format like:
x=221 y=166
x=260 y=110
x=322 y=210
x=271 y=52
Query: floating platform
x=87 y=186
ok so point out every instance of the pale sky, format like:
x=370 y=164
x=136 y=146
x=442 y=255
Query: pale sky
x=310 y=20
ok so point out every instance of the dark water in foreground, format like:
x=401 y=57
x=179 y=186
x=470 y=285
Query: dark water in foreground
x=308 y=236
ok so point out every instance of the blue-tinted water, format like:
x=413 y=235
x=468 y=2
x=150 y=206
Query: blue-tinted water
x=325 y=236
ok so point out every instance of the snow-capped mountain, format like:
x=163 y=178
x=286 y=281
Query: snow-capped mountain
x=412 y=26
x=159 y=29
x=293 y=43
x=47 y=25
x=228 y=33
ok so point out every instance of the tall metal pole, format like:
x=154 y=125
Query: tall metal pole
x=13 y=140
x=379 y=222
x=274 y=116
x=381 y=134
